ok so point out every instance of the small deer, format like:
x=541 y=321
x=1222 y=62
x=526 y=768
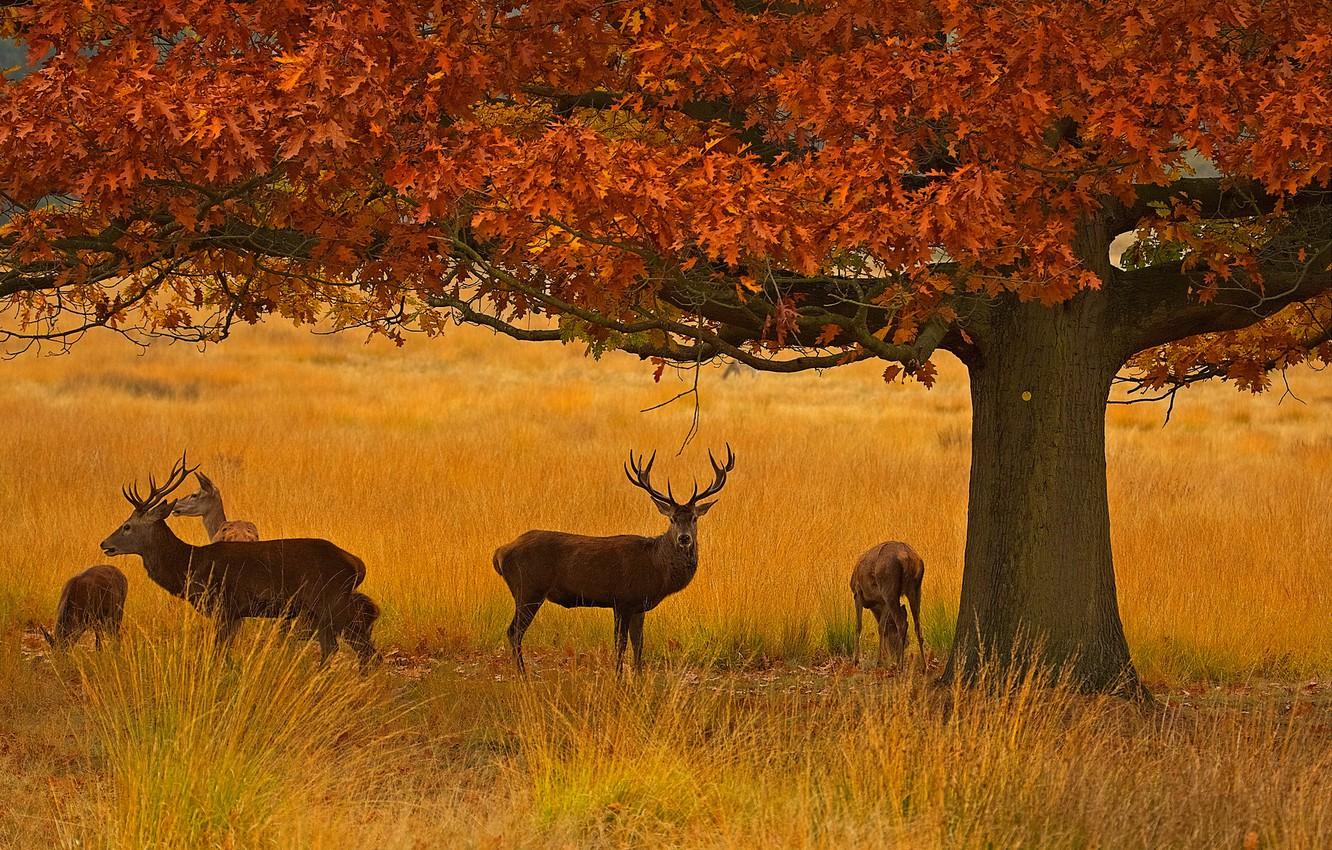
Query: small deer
x=356 y=630
x=93 y=599
x=309 y=579
x=627 y=573
x=206 y=502
x=360 y=623
x=882 y=576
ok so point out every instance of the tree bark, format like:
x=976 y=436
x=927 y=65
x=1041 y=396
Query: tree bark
x=1038 y=585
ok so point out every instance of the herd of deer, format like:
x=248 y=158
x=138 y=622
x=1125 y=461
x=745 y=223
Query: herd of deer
x=311 y=584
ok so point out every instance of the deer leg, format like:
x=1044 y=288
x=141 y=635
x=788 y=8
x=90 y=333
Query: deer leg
x=523 y=615
x=621 y=639
x=913 y=599
x=636 y=638
x=860 y=612
x=899 y=631
x=328 y=641
x=365 y=648
x=885 y=623
x=226 y=633
x=295 y=627
x=357 y=635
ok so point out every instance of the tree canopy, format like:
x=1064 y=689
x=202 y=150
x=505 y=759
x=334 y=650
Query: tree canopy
x=678 y=179
x=794 y=185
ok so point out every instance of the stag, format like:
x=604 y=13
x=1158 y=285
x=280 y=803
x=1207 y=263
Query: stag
x=93 y=599
x=627 y=573
x=882 y=576
x=307 y=579
x=206 y=502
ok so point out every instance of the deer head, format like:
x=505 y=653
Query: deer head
x=201 y=501
x=135 y=535
x=683 y=532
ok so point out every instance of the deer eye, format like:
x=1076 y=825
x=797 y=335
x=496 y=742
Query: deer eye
x=125 y=527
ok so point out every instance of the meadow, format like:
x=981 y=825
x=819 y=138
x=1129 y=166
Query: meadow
x=750 y=724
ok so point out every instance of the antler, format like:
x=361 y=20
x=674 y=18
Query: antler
x=719 y=472
x=156 y=493
x=640 y=476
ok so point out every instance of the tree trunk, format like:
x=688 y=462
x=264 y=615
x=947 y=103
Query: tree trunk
x=1038 y=584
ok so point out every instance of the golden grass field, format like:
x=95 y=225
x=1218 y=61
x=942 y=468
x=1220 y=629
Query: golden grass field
x=750 y=727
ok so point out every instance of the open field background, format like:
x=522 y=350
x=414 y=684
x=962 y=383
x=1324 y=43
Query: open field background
x=422 y=460
x=749 y=727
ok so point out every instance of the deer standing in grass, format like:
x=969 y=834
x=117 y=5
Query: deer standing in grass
x=882 y=576
x=93 y=599
x=206 y=502
x=310 y=580
x=627 y=573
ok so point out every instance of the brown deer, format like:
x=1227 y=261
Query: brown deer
x=356 y=629
x=882 y=576
x=309 y=579
x=206 y=502
x=627 y=573
x=93 y=599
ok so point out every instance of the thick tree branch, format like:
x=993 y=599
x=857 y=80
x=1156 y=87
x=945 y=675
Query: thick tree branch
x=1214 y=197
x=706 y=349
x=735 y=325
x=1159 y=304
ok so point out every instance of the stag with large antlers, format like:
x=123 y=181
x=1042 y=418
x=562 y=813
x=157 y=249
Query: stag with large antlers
x=627 y=573
x=307 y=579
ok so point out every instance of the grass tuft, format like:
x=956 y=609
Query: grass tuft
x=244 y=751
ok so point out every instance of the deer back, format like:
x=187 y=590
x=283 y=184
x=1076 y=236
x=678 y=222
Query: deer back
x=96 y=595
x=272 y=577
x=577 y=569
x=236 y=531
x=883 y=572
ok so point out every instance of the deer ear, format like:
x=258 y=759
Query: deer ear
x=161 y=511
x=204 y=481
x=666 y=510
x=699 y=510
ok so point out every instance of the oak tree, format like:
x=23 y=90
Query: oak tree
x=790 y=185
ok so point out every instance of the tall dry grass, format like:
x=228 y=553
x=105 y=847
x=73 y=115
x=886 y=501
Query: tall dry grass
x=423 y=460
x=248 y=751
x=833 y=763
x=263 y=752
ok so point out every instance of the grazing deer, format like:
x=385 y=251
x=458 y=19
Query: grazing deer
x=206 y=502
x=360 y=623
x=882 y=576
x=311 y=580
x=357 y=627
x=627 y=573
x=93 y=599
